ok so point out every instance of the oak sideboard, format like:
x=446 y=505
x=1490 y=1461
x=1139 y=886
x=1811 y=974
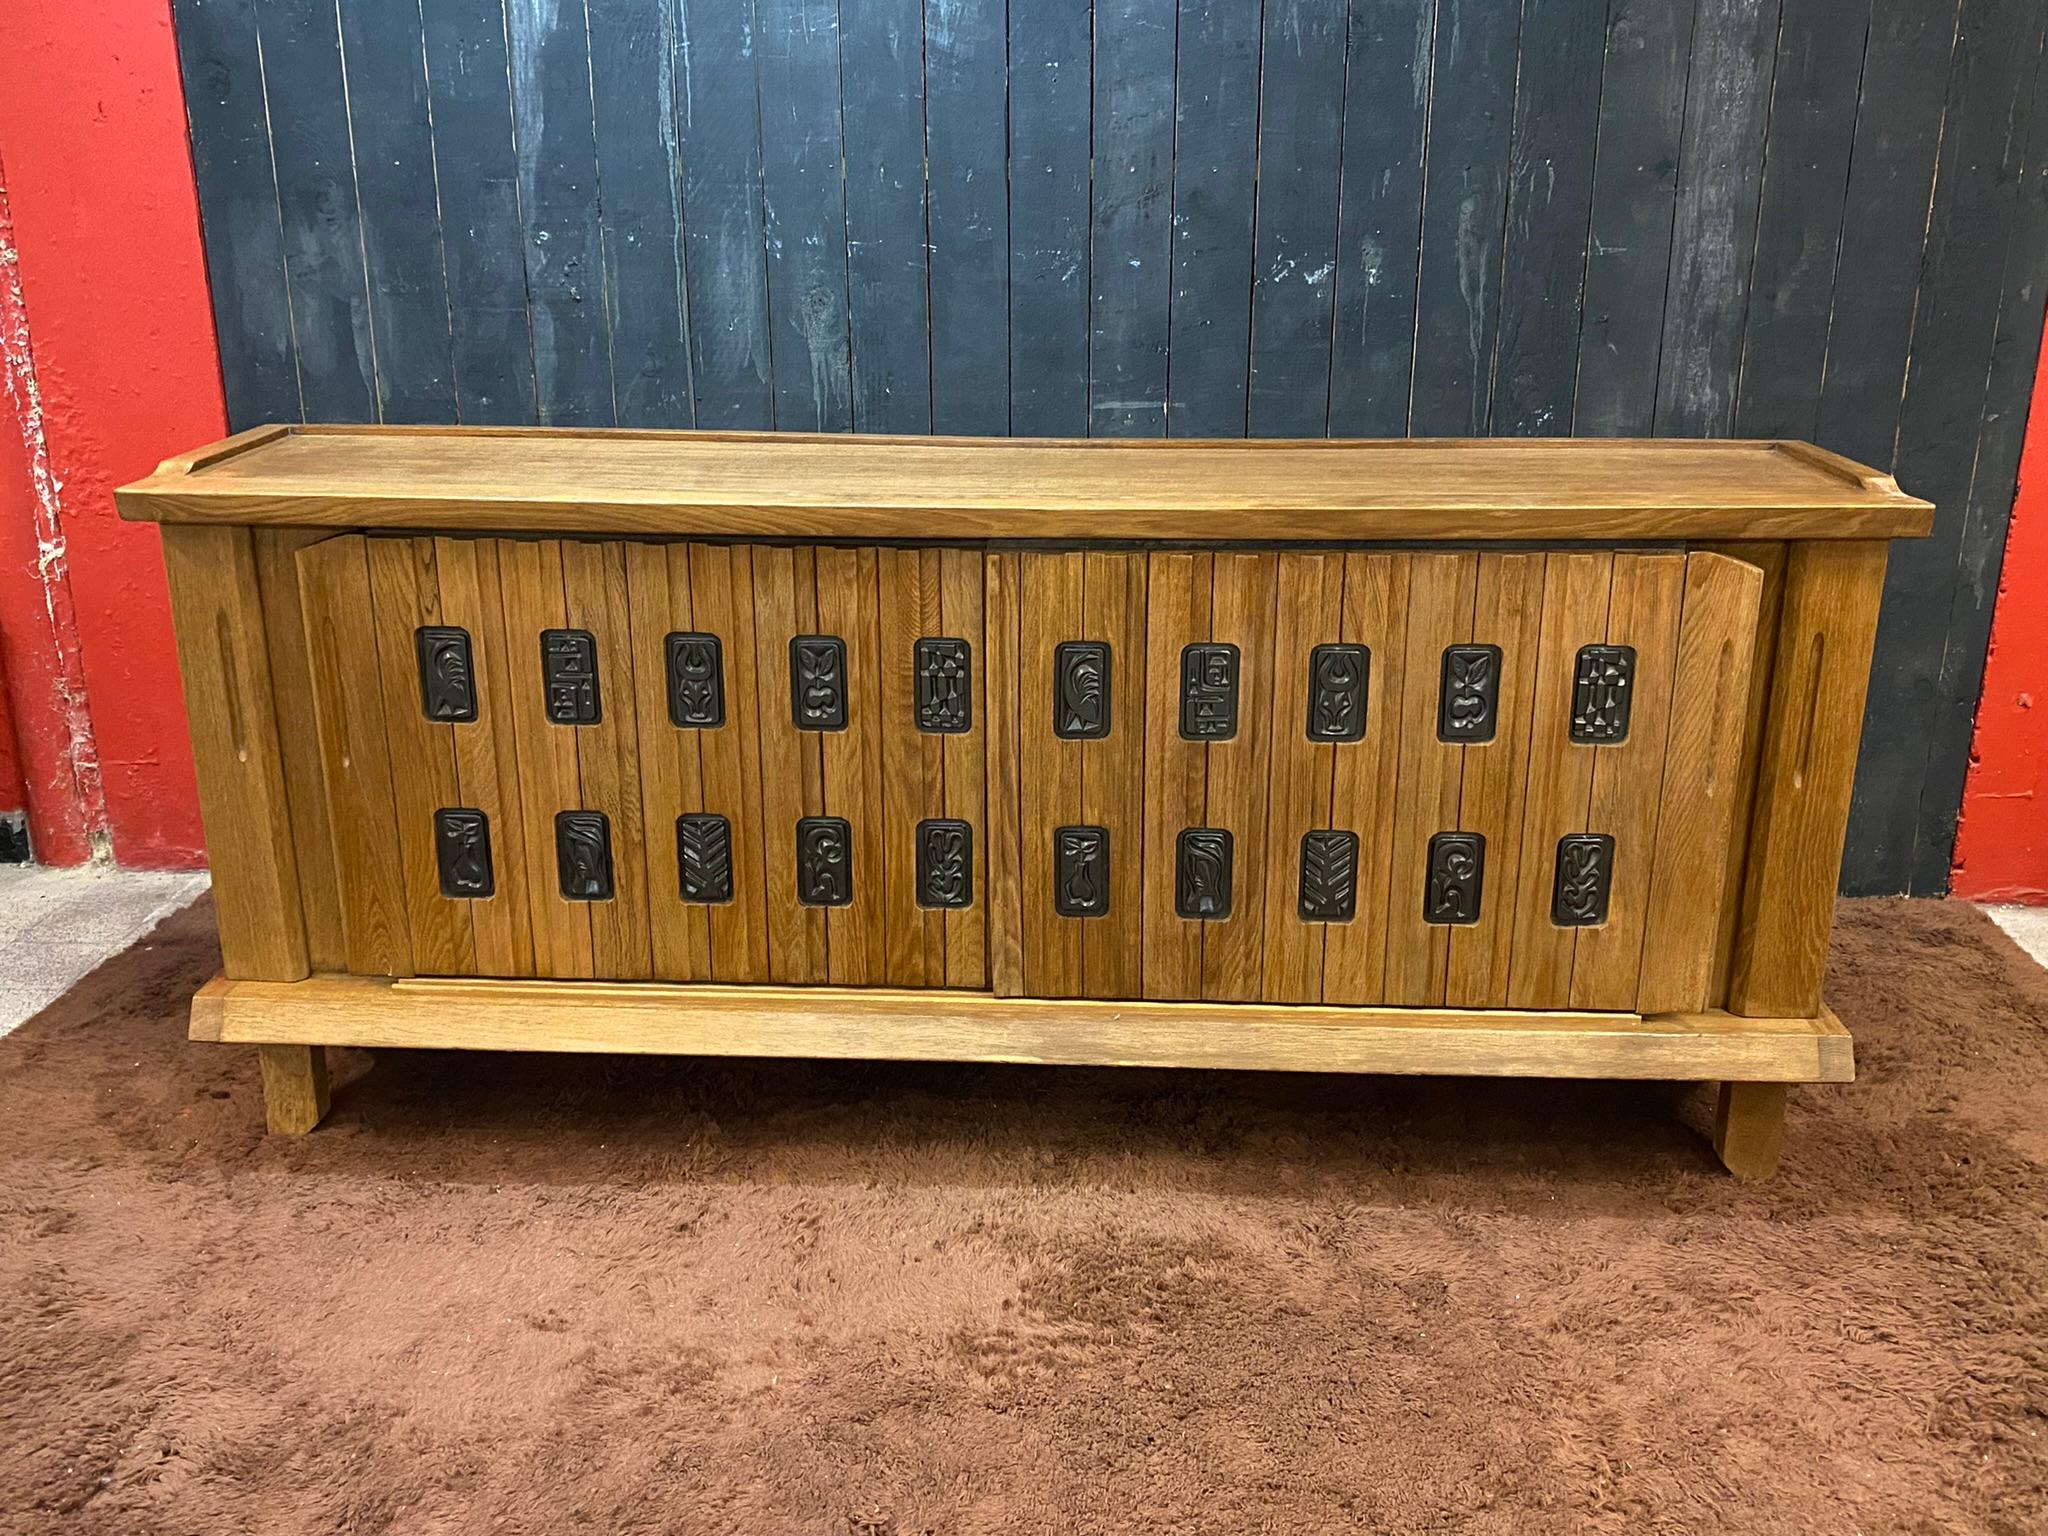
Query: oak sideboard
x=1525 y=758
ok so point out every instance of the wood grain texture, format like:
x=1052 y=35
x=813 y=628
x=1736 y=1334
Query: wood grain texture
x=879 y=488
x=1749 y=1128
x=295 y=1095
x=1002 y=593
x=1812 y=726
x=913 y=764
x=1050 y=606
x=355 y=765
x=1113 y=771
x=722 y=601
x=792 y=764
x=1710 y=688
x=660 y=601
x=878 y=1024
x=1302 y=769
x=965 y=765
x=1244 y=595
x=1176 y=771
x=224 y=660
x=857 y=934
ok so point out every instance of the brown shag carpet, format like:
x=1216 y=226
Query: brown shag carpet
x=538 y=1294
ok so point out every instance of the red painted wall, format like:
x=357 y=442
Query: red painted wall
x=2002 y=843
x=120 y=346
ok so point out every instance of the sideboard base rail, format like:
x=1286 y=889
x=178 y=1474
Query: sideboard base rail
x=1753 y=1058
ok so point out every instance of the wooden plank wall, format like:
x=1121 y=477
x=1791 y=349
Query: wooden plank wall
x=1810 y=218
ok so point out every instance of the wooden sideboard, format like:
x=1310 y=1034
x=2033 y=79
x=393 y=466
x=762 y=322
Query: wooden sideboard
x=1524 y=758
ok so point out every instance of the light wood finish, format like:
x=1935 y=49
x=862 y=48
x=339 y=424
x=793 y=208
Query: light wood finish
x=1813 y=725
x=1749 y=1128
x=486 y=758
x=549 y=781
x=294 y=1087
x=1507 y=611
x=355 y=766
x=792 y=768
x=298 y=741
x=1176 y=771
x=964 y=765
x=1362 y=792
x=661 y=602
x=1049 y=614
x=224 y=659
x=1244 y=593
x=1429 y=777
x=1702 y=772
x=1575 y=591
x=722 y=603
x=1006 y=902
x=1628 y=776
x=857 y=934
x=786 y=485
x=1310 y=613
x=880 y=1024
x=913 y=764
x=1113 y=772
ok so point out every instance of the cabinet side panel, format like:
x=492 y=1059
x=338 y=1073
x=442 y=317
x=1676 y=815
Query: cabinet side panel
x=1113 y=774
x=857 y=934
x=913 y=765
x=1001 y=595
x=1049 y=616
x=792 y=769
x=671 y=771
x=1310 y=614
x=1241 y=614
x=1176 y=770
x=721 y=581
x=966 y=765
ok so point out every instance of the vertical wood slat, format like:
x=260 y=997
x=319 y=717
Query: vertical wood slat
x=530 y=572
x=792 y=767
x=486 y=755
x=1002 y=594
x=1311 y=613
x=913 y=766
x=1813 y=726
x=1244 y=595
x=1426 y=793
x=608 y=753
x=1508 y=612
x=298 y=739
x=671 y=771
x=721 y=580
x=1628 y=776
x=405 y=589
x=1113 y=772
x=965 y=768
x=1689 y=885
x=355 y=767
x=1176 y=771
x=1575 y=596
x=223 y=657
x=1362 y=793
x=857 y=934
x=1050 y=606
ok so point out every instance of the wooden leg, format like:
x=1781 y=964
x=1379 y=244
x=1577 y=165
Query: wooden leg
x=294 y=1087
x=1749 y=1128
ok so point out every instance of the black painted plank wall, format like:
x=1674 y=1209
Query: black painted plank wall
x=1811 y=218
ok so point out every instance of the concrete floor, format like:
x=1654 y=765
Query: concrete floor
x=57 y=924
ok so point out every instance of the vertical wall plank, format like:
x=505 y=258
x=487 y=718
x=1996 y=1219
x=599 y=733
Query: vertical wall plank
x=1050 y=91
x=1363 y=781
x=1216 y=103
x=1463 y=209
x=966 y=769
x=722 y=602
x=1550 y=202
x=719 y=134
x=385 y=66
x=1113 y=771
x=1635 y=188
x=469 y=94
x=671 y=784
x=1713 y=234
x=1508 y=612
x=1244 y=597
x=318 y=209
x=796 y=53
x=1294 y=269
x=1178 y=588
x=633 y=66
x=223 y=75
x=1310 y=614
x=1130 y=249
x=966 y=100
x=556 y=135
x=1049 y=610
x=792 y=768
x=881 y=51
x=1379 y=220
x=1002 y=593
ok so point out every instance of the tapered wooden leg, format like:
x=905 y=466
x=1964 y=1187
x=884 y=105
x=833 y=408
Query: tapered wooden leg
x=1749 y=1128
x=294 y=1087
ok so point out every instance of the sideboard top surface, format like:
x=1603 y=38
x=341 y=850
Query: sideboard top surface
x=786 y=485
